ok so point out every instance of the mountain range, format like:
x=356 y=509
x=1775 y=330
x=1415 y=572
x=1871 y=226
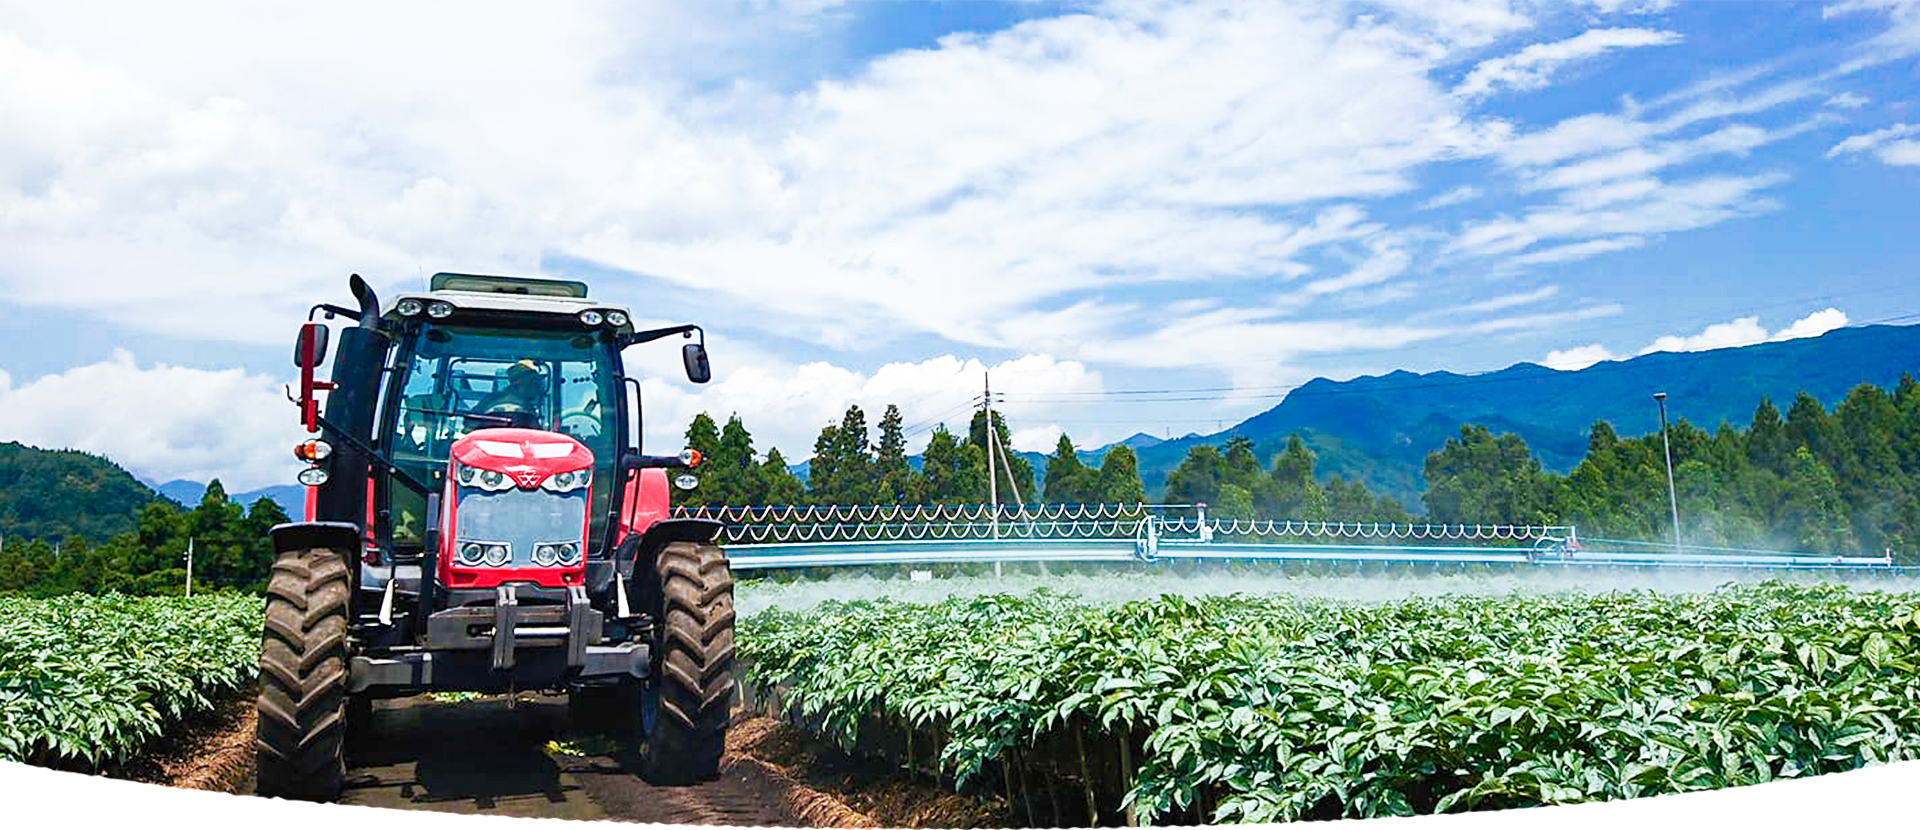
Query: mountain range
x=1379 y=429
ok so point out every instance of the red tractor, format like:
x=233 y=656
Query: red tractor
x=480 y=517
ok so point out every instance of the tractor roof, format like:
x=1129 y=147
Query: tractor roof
x=521 y=294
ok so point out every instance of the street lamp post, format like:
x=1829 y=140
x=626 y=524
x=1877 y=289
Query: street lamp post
x=1673 y=499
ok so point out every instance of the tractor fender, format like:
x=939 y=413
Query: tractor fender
x=677 y=530
x=637 y=550
x=338 y=536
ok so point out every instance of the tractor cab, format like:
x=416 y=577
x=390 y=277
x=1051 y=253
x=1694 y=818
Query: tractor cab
x=480 y=518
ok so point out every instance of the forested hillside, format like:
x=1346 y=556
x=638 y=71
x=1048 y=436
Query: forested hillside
x=231 y=550
x=53 y=494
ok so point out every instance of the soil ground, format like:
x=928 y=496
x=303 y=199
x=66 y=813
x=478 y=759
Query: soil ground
x=488 y=763
x=116 y=794
x=517 y=757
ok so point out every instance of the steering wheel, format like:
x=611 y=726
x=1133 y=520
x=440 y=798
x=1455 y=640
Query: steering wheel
x=587 y=418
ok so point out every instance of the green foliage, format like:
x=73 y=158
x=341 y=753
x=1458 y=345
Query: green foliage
x=1480 y=478
x=53 y=494
x=898 y=483
x=86 y=680
x=1068 y=480
x=231 y=549
x=1279 y=709
x=1013 y=471
x=729 y=475
x=1235 y=486
x=1846 y=482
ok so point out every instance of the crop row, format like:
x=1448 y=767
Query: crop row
x=1267 y=709
x=85 y=680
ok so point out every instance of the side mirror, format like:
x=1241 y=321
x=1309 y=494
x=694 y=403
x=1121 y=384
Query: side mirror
x=694 y=355
x=310 y=350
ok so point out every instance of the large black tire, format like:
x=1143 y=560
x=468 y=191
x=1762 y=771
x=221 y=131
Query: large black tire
x=695 y=686
x=303 y=678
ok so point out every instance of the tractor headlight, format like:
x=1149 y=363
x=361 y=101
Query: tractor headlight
x=566 y=482
x=498 y=554
x=591 y=317
x=409 y=307
x=551 y=554
x=439 y=309
x=483 y=479
x=616 y=317
x=471 y=554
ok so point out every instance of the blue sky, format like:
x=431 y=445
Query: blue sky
x=873 y=202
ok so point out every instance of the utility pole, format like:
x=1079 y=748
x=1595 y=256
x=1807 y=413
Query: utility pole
x=1673 y=499
x=189 y=567
x=993 y=479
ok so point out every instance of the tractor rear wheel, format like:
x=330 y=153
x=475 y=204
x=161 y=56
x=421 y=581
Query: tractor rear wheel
x=692 y=690
x=303 y=677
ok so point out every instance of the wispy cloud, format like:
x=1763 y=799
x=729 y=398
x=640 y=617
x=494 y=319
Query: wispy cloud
x=1533 y=66
x=1458 y=195
x=1891 y=145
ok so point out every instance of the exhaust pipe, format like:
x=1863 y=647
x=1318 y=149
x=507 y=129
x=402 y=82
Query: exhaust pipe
x=369 y=302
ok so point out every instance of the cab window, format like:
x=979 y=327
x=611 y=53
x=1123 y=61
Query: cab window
x=462 y=379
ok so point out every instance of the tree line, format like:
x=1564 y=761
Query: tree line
x=1840 y=481
x=1845 y=481
x=848 y=467
x=231 y=551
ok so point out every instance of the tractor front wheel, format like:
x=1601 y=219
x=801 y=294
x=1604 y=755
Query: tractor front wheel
x=687 y=704
x=303 y=677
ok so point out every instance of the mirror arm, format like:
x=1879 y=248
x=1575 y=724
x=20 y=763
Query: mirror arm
x=651 y=335
x=332 y=311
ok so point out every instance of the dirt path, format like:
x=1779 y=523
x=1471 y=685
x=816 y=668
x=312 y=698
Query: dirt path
x=488 y=765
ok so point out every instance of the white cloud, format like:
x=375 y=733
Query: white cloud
x=1510 y=300
x=1631 y=6
x=1579 y=250
x=1676 y=207
x=1146 y=143
x=1036 y=439
x=1578 y=357
x=1847 y=101
x=1891 y=145
x=1741 y=332
x=1813 y=325
x=161 y=422
x=1531 y=67
x=1463 y=193
x=1901 y=38
x=1384 y=264
x=1746 y=331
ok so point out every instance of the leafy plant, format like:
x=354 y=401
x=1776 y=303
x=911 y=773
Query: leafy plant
x=87 y=680
x=1263 y=709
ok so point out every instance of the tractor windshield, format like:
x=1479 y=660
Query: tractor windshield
x=460 y=379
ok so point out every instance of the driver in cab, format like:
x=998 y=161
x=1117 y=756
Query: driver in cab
x=518 y=402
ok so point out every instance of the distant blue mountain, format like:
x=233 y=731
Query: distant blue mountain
x=292 y=498
x=1379 y=429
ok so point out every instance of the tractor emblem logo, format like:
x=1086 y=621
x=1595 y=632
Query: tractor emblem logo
x=528 y=479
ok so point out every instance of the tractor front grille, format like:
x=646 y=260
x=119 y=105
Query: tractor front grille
x=520 y=519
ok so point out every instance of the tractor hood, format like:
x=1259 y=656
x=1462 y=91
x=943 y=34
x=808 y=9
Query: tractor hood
x=527 y=456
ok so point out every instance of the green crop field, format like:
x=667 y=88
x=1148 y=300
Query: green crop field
x=1262 y=709
x=87 y=680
